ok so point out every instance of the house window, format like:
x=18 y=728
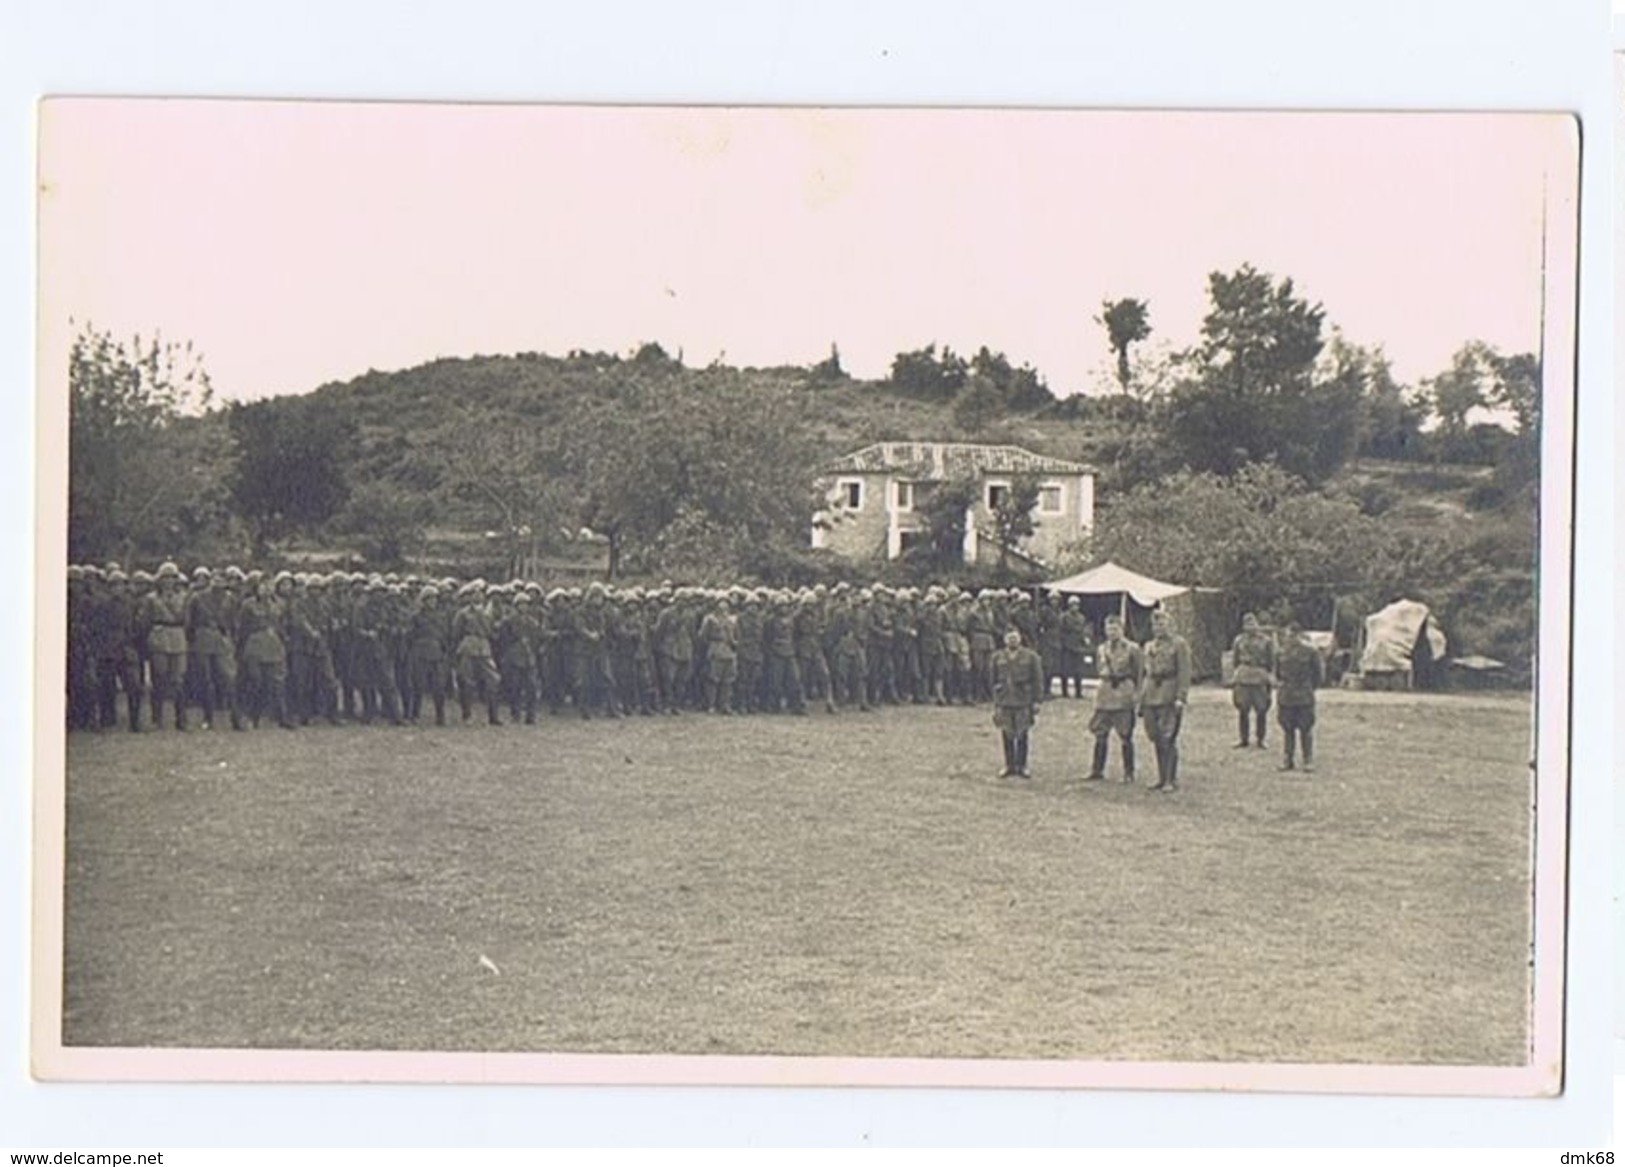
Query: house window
x=850 y=493
x=905 y=496
x=1049 y=499
x=908 y=539
x=997 y=493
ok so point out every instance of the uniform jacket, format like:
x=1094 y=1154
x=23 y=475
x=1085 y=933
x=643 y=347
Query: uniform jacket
x=1122 y=669
x=1253 y=654
x=1301 y=671
x=1018 y=677
x=1167 y=671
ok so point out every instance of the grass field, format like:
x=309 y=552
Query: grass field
x=854 y=885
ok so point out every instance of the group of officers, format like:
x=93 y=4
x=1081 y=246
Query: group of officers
x=296 y=647
x=1152 y=682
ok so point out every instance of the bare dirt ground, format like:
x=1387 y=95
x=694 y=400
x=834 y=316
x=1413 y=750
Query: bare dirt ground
x=850 y=885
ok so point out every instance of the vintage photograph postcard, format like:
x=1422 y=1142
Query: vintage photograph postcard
x=979 y=597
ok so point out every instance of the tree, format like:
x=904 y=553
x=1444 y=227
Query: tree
x=144 y=457
x=1392 y=416
x=828 y=371
x=944 y=510
x=922 y=373
x=387 y=521
x=1260 y=533
x=1460 y=389
x=978 y=405
x=1127 y=321
x=1259 y=392
x=290 y=473
x=1013 y=516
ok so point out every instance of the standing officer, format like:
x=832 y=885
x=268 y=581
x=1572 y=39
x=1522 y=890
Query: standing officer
x=850 y=626
x=1253 y=659
x=979 y=622
x=1302 y=672
x=518 y=639
x=210 y=618
x=1162 y=696
x=471 y=630
x=905 y=645
x=428 y=635
x=783 y=676
x=674 y=652
x=264 y=656
x=595 y=677
x=750 y=625
x=1121 y=671
x=928 y=631
x=1018 y=685
x=1073 y=633
x=809 y=628
x=165 y=618
x=719 y=633
x=882 y=633
x=113 y=644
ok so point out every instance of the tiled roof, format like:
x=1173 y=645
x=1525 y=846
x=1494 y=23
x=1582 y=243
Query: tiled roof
x=940 y=461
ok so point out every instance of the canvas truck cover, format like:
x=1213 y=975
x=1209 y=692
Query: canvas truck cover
x=1390 y=637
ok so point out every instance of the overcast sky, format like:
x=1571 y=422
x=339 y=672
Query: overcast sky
x=300 y=243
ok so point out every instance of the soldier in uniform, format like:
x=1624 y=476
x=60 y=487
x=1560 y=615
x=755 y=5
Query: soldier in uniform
x=1253 y=659
x=749 y=624
x=81 y=660
x=113 y=645
x=928 y=633
x=809 y=628
x=264 y=656
x=783 y=674
x=882 y=633
x=428 y=636
x=1018 y=682
x=639 y=627
x=325 y=689
x=471 y=630
x=1049 y=640
x=376 y=632
x=595 y=679
x=518 y=638
x=1121 y=673
x=674 y=652
x=718 y=632
x=1301 y=673
x=348 y=591
x=300 y=636
x=165 y=618
x=1073 y=634
x=979 y=630
x=211 y=622
x=956 y=679
x=850 y=626
x=1162 y=696
x=905 y=646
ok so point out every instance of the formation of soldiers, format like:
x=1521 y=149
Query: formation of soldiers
x=291 y=648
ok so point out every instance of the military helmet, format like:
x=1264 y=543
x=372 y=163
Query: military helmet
x=168 y=570
x=430 y=592
x=114 y=575
x=201 y=574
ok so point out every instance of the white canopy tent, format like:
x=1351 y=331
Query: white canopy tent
x=1111 y=580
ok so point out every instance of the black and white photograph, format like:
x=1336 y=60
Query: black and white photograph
x=954 y=596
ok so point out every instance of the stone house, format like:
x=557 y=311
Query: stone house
x=875 y=494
